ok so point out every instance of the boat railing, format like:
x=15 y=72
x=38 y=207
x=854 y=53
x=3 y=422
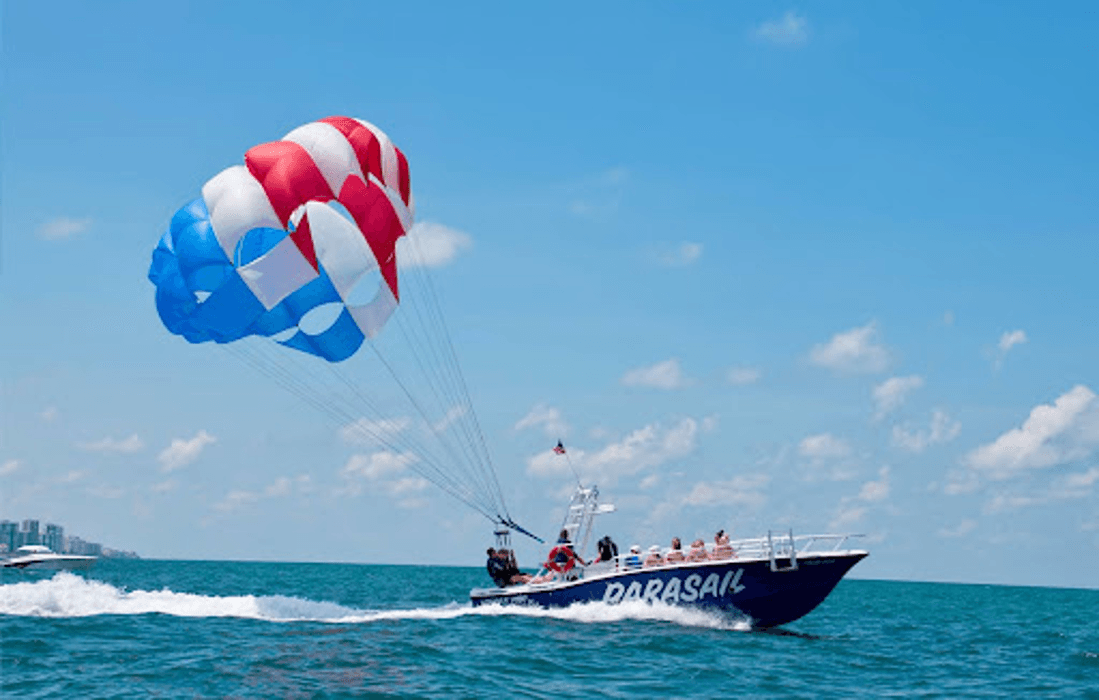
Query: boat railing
x=782 y=549
x=783 y=544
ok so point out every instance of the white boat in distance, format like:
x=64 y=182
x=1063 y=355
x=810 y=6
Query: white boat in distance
x=37 y=557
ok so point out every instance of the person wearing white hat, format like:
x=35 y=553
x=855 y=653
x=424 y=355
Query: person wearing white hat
x=634 y=560
x=654 y=558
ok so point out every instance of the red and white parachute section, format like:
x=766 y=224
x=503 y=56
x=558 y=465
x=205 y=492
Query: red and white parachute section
x=286 y=185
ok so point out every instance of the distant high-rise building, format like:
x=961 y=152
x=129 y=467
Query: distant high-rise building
x=9 y=535
x=78 y=546
x=30 y=532
x=55 y=537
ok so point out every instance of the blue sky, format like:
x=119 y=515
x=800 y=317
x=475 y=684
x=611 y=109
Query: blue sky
x=821 y=266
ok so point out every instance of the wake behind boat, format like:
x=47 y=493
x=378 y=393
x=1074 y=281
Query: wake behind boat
x=770 y=580
x=36 y=557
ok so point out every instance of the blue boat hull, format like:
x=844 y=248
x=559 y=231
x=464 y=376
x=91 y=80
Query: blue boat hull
x=751 y=589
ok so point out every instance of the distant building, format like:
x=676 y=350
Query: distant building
x=75 y=545
x=55 y=537
x=30 y=533
x=9 y=535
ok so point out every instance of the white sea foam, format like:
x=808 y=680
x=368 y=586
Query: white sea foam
x=67 y=595
x=599 y=612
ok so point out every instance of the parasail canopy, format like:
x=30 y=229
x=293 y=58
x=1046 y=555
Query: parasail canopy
x=300 y=246
x=263 y=246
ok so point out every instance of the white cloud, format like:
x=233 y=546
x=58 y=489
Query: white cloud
x=649 y=481
x=449 y=419
x=823 y=446
x=662 y=375
x=741 y=491
x=1011 y=339
x=409 y=484
x=852 y=509
x=182 y=452
x=431 y=245
x=1071 y=486
x=1007 y=341
x=792 y=29
x=948 y=318
x=164 y=486
x=70 y=477
x=848 y=515
x=373 y=432
x=890 y=394
x=49 y=414
x=942 y=429
x=873 y=491
x=63 y=227
x=377 y=465
x=741 y=376
x=383 y=469
x=682 y=256
x=961 y=530
x=961 y=482
x=126 y=446
x=645 y=448
x=1053 y=434
x=829 y=457
x=545 y=417
x=280 y=487
x=236 y=499
x=1004 y=502
x=853 y=351
x=10 y=467
x=1081 y=480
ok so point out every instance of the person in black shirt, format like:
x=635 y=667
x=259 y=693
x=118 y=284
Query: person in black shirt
x=608 y=550
x=497 y=568
x=502 y=568
x=511 y=568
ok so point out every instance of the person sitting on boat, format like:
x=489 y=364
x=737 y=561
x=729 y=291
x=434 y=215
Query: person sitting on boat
x=634 y=560
x=654 y=558
x=697 y=552
x=722 y=548
x=511 y=569
x=496 y=568
x=562 y=558
x=675 y=554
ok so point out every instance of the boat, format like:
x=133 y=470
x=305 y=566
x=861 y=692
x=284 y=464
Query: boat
x=38 y=557
x=769 y=581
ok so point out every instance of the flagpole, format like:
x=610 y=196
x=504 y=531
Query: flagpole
x=560 y=449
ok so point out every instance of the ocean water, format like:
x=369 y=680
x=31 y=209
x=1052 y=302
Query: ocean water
x=146 y=629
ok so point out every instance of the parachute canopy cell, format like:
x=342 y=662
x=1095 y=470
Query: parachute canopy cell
x=306 y=222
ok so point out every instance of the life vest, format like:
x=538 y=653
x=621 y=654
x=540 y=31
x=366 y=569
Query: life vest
x=561 y=558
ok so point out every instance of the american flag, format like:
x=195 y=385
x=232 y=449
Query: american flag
x=560 y=449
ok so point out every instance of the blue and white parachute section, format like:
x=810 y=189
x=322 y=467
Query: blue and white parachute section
x=203 y=295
